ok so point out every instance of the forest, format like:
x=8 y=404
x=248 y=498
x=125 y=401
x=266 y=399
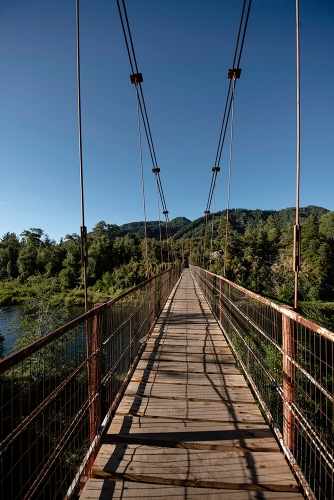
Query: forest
x=258 y=257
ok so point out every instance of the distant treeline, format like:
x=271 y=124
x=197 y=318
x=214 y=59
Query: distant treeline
x=259 y=253
x=115 y=262
x=239 y=217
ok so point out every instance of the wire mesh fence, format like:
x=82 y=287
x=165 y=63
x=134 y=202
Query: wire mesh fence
x=56 y=392
x=289 y=362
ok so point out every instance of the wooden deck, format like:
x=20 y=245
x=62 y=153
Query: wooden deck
x=188 y=426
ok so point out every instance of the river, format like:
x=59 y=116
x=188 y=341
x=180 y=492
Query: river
x=9 y=318
x=12 y=316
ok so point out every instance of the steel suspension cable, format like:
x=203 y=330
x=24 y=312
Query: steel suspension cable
x=237 y=55
x=229 y=181
x=160 y=235
x=212 y=225
x=234 y=73
x=83 y=229
x=296 y=238
x=228 y=102
x=134 y=67
x=142 y=106
x=142 y=181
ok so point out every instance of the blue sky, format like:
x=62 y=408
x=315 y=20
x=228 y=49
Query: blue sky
x=184 y=49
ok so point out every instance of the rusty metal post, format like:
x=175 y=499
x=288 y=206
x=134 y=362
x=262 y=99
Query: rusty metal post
x=154 y=305
x=191 y=251
x=183 y=253
x=288 y=380
x=220 y=302
x=95 y=383
x=130 y=333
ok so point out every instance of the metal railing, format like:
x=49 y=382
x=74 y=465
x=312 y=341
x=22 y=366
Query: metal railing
x=58 y=394
x=289 y=362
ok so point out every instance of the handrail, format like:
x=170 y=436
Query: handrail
x=282 y=309
x=17 y=356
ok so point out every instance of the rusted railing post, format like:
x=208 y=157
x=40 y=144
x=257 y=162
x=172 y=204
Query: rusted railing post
x=130 y=332
x=288 y=381
x=95 y=383
x=220 y=302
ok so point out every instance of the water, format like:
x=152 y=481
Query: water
x=13 y=316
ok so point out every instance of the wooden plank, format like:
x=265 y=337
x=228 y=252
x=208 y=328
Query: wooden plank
x=194 y=347
x=187 y=366
x=257 y=471
x=199 y=483
x=186 y=378
x=189 y=409
x=153 y=439
x=191 y=435
x=190 y=392
x=232 y=431
x=99 y=489
x=188 y=357
x=206 y=419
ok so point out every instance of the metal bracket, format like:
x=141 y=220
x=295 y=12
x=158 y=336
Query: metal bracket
x=296 y=248
x=136 y=78
x=84 y=256
x=234 y=73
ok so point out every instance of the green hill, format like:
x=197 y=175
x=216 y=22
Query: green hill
x=152 y=228
x=239 y=218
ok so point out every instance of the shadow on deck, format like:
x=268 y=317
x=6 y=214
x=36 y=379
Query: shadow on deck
x=188 y=426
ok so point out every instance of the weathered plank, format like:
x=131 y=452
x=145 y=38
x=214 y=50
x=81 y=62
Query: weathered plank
x=173 y=378
x=192 y=434
x=253 y=471
x=99 y=489
x=192 y=392
x=187 y=366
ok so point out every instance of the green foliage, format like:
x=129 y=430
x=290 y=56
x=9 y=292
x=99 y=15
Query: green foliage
x=258 y=255
x=320 y=313
x=41 y=314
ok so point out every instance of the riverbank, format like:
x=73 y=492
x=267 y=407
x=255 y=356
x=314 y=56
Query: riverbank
x=15 y=293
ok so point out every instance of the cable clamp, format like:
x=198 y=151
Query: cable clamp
x=136 y=78
x=84 y=256
x=296 y=248
x=234 y=73
x=83 y=232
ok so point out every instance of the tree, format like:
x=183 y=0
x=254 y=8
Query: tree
x=326 y=226
x=9 y=252
x=69 y=276
x=40 y=315
x=100 y=253
x=27 y=261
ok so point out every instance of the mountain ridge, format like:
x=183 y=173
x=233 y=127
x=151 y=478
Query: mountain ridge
x=238 y=217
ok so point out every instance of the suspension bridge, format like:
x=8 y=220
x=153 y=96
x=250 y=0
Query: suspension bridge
x=185 y=386
x=151 y=395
